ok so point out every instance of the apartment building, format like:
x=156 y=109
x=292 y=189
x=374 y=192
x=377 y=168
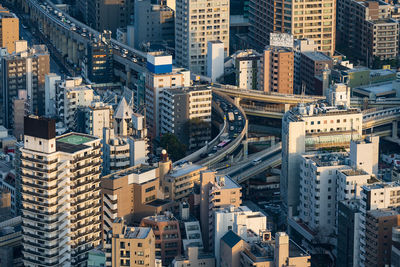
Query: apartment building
x=247 y=65
x=186 y=112
x=190 y=229
x=154 y=23
x=395 y=255
x=132 y=194
x=366 y=29
x=300 y=46
x=375 y=197
x=241 y=220
x=215 y=59
x=60 y=183
x=308 y=128
x=23 y=70
x=378 y=234
x=160 y=76
x=216 y=192
x=92 y=119
x=277 y=72
x=313 y=64
x=197 y=23
x=9 y=29
x=130 y=246
x=310 y=19
x=168 y=236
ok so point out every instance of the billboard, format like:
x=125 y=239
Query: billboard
x=281 y=39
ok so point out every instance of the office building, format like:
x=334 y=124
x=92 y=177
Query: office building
x=194 y=258
x=160 y=76
x=186 y=112
x=154 y=24
x=215 y=60
x=313 y=64
x=366 y=30
x=300 y=46
x=98 y=64
x=130 y=246
x=9 y=29
x=277 y=70
x=348 y=237
x=101 y=14
x=241 y=220
x=301 y=128
x=60 y=180
x=24 y=70
x=216 y=192
x=181 y=180
x=168 y=236
x=312 y=20
x=197 y=23
x=247 y=65
x=132 y=194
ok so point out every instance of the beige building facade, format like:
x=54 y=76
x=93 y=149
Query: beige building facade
x=9 y=29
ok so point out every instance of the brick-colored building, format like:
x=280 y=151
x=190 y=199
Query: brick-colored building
x=9 y=29
x=167 y=236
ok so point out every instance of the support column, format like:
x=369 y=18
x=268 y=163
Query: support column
x=69 y=49
x=237 y=101
x=395 y=125
x=64 y=45
x=128 y=76
x=75 y=53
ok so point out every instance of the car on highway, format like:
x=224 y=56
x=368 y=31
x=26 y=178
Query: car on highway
x=256 y=161
x=236 y=112
x=232 y=128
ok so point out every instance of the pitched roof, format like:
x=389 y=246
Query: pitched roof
x=231 y=239
x=123 y=110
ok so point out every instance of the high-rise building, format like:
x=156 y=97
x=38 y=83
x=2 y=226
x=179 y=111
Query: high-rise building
x=216 y=192
x=20 y=110
x=300 y=46
x=247 y=66
x=168 y=236
x=154 y=24
x=301 y=128
x=24 y=70
x=9 y=29
x=93 y=119
x=130 y=246
x=314 y=20
x=160 y=76
x=60 y=183
x=215 y=59
x=101 y=14
x=277 y=69
x=132 y=194
x=186 y=112
x=197 y=23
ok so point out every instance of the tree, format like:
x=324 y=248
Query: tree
x=176 y=150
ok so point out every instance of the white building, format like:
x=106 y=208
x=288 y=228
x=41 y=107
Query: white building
x=93 y=118
x=197 y=23
x=247 y=66
x=365 y=154
x=240 y=220
x=160 y=76
x=50 y=94
x=60 y=179
x=215 y=59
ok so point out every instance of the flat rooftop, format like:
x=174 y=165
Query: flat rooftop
x=381 y=185
x=353 y=172
x=137 y=232
x=183 y=169
x=73 y=142
x=317 y=56
x=138 y=169
x=328 y=159
x=225 y=182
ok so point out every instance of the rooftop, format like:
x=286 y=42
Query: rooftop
x=183 y=169
x=353 y=172
x=137 y=232
x=231 y=239
x=383 y=212
x=317 y=56
x=166 y=217
x=138 y=169
x=73 y=142
x=382 y=185
x=328 y=159
x=225 y=182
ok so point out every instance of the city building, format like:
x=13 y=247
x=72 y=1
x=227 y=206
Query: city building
x=301 y=131
x=277 y=70
x=20 y=110
x=395 y=256
x=216 y=192
x=376 y=197
x=378 y=234
x=190 y=229
x=101 y=14
x=11 y=242
x=60 y=183
x=167 y=236
x=51 y=80
x=159 y=76
x=313 y=64
x=366 y=30
x=130 y=246
x=154 y=24
x=194 y=258
x=197 y=23
x=215 y=59
x=186 y=112
x=181 y=180
x=93 y=118
x=316 y=21
x=98 y=64
x=348 y=237
x=9 y=29
x=246 y=66
x=300 y=46
x=25 y=69
x=132 y=194
x=241 y=220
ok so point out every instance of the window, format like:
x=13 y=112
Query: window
x=140 y=245
x=122 y=245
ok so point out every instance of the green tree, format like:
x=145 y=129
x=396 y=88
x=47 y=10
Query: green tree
x=176 y=150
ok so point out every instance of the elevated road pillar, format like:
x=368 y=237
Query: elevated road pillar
x=395 y=125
